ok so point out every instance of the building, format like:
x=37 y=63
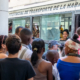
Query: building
x=45 y=18
x=3 y=17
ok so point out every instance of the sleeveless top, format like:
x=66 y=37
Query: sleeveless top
x=39 y=76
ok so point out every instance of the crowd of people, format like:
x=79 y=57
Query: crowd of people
x=24 y=58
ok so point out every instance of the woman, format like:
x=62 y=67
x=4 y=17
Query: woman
x=69 y=66
x=65 y=35
x=3 y=47
x=42 y=68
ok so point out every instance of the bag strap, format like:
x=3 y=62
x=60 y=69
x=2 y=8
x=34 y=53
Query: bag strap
x=22 y=54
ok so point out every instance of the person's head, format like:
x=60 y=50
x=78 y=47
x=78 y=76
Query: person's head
x=26 y=36
x=2 y=41
x=53 y=45
x=78 y=31
x=13 y=44
x=10 y=24
x=72 y=45
x=38 y=47
x=18 y=30
x=52 y=56
x=65 y=34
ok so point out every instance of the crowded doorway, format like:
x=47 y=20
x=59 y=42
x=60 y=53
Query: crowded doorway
x=36 y=27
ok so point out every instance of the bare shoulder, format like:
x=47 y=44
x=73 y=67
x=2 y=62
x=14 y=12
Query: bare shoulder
x=71 y=59
x=47 y=63
x=3 y=56
x=77 y=59
x=44 y=66
x=63 y=58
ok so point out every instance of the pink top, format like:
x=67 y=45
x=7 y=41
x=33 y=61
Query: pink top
x=78 y=38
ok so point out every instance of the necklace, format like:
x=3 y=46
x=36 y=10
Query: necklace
x=73 y=54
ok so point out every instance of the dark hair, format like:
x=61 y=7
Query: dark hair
x=66 y=30
x=25 y=35
x=2 y=40
x=78 y=31
x=75 y=37
x=17 y=29
x=10 y=24
x=13 y=44
x=37 y=46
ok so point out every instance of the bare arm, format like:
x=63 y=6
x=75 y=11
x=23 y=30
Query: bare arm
x=3 y=56
x=49 y=73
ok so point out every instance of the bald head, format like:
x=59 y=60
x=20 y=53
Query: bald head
x=52 y=56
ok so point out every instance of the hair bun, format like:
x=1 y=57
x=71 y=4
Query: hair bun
x=75 y=36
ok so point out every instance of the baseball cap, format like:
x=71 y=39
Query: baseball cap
x=52 y=43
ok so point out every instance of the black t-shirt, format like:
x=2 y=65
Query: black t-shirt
x=15 y=69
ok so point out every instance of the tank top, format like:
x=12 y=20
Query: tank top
x=39 y=76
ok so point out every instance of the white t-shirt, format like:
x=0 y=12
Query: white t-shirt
x=27 y=54
x=55 y=72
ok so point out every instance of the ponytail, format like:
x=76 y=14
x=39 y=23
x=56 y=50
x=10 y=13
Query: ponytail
x=75 y=37
x=37 y=46
x=34 y=57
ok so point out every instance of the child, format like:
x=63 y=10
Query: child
x=53 y=56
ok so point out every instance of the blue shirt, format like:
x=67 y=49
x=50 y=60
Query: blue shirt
x=68 y=71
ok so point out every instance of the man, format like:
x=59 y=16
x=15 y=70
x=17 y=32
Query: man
x=25 y=52
x=18 y=30
x=53 y=45
x=12 y=68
